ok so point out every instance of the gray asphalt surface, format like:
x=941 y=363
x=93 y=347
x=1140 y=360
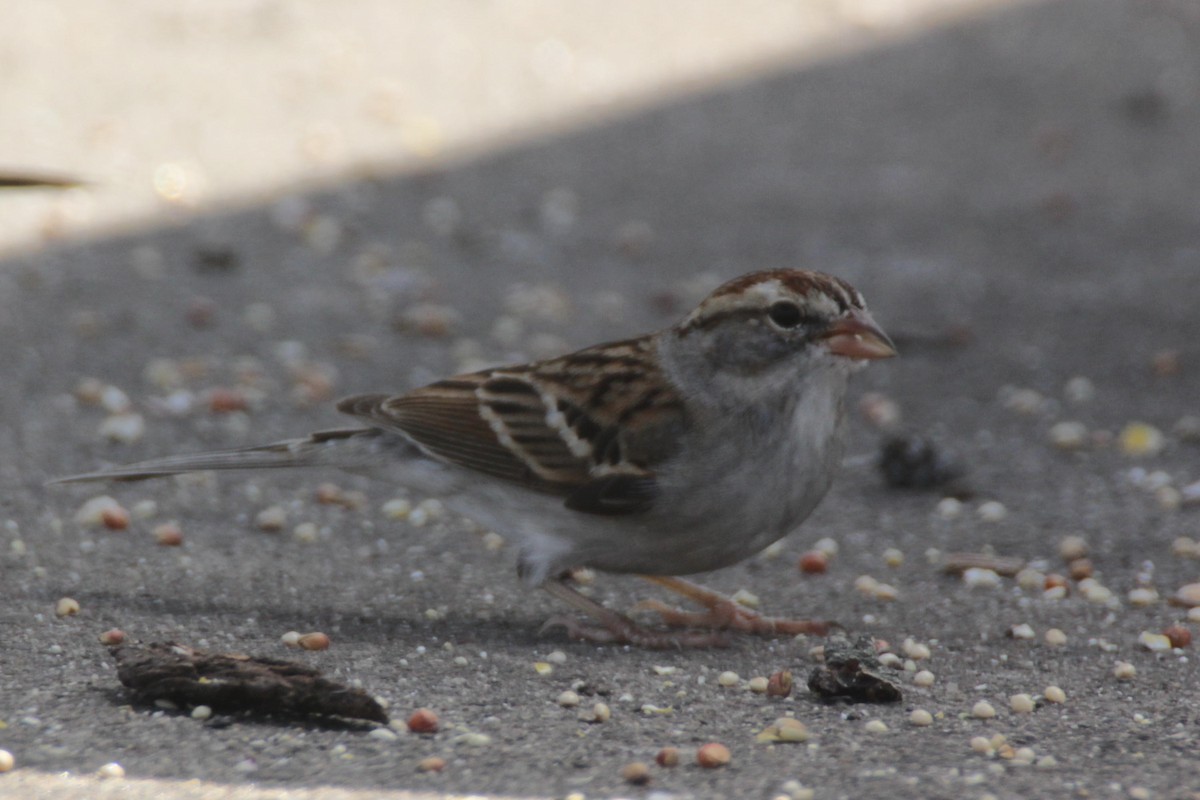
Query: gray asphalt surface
x=1030 y=177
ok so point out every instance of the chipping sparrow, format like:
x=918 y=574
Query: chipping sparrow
x=673 y=453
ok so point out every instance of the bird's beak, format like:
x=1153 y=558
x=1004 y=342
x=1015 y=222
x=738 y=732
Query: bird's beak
x=857 y=336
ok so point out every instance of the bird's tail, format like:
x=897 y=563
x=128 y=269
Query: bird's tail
x=326 y=448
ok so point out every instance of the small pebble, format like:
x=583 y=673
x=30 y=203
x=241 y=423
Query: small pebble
x=636 y=773
x=1053 y=694
x=66 y=607
x=1124 y=671
x=876 y=726
x=111 y=771
x=1021 y=703
x=924 y=678
x=423 y=720
x=713 y=755
x=313 y=641
x=7 y=762
x=921 y=718
x=983 y=710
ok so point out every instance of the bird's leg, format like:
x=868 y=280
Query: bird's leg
x=723 y=613
x=617 y=628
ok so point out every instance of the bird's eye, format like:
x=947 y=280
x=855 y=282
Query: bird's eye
x=785 y=314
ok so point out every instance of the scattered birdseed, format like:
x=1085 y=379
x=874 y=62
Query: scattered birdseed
x=383 y=734
x=876 y=726
x=313 y=641
x=1021 y=703
x=1178 y=635
x=398 y=508
x=423 y=720
x=1139 y=439
x=982 y=745
x=728 y=678
x=1022 y=631
x=599 y=712
x=779 y=684
x=1079 y=390
x=1024 y=755
x=636 y=773
x=921 y=718
x=667 y=757
x=115 y=519
x=983 y=710
x=111 y=771
x=91 y=513
x=991 y=511
x=758 y=684
x=271 y=519
x=813 y=562
x=1187 y=595
x=291 y=639
x=1124 y=671
x=713 y=755
x=1154 y=642
x=949 y=508
x=66 y=607
x=542 y=668
x=1071 y=548
x=1069 y=435
x=924 y=678
x=202 y=712
x=827 y=546
x=112 y=637
x=1053 y=694
x=784 y=729
x=958 y=563
x=745 y=598
x=7 y=762
x=126 y=427
x=168 y=534
x=1143 y=596
x=431 y=764
x=915 y=650
x=893 y=557
x=568 y=699
x=977 y=577
x=1095 y=592
x=891 y=660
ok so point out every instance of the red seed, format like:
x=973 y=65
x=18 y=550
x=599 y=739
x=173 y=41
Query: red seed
x=115 y=518
x=432 y=764
x=423 y=721
x=1179 y=636
x=168 y=535
x=1054 y=580
x=667 y=757
x=813 y=562
x=314 y=641
x=226 y=401
x=779 y=684
x=112 y=637
x=713 y=755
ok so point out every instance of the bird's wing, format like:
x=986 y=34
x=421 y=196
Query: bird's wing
x=590 y=426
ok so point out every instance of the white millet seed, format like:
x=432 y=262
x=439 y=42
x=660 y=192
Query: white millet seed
x=111 y=771
x=978 y=577
x=924 y=678
x=982 y=745
x=1021 y=703
x=991 y=511
x=7 y=762
x=1124 y=671
x=1022 y=631
x=921 y=718
x=1053 y=694
x=1055 y=637
x=915 y=650
x=758 y=684
x=983 y=710
x=1143 y=596
x=728 y=678
x=949 y=508
x=568 y=699
x=202 y=712
x=557 y=657
x=876 y=726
